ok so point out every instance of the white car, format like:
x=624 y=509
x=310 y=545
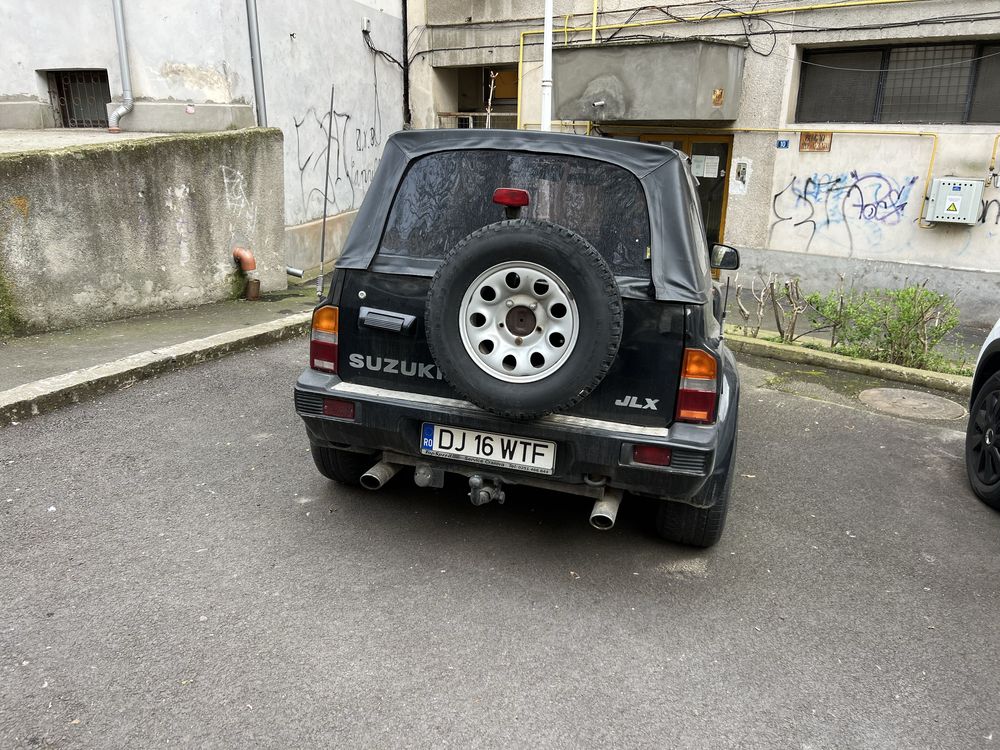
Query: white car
x=982 y=438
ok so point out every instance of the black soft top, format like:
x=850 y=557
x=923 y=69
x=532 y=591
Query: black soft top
x=678 y=255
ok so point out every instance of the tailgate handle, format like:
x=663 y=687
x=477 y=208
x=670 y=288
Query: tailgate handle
x=386 y=320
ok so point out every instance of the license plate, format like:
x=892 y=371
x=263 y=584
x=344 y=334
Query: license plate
x=489 y=448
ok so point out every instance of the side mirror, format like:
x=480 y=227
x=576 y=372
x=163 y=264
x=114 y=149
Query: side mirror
x=725 y=258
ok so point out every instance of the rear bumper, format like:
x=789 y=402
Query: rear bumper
x=389 y=420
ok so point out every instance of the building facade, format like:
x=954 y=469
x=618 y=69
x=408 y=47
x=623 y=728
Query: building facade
x=844 y=138
x=190 y=67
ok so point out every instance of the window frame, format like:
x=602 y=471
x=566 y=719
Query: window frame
x=886 y=50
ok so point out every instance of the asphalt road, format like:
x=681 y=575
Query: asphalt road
x=173 y=571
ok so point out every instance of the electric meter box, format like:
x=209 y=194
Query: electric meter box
x=955 y=200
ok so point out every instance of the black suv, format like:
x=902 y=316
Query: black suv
x=529 y=309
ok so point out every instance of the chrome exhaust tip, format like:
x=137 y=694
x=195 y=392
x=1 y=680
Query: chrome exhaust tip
x=605 y=510
x=378 y=475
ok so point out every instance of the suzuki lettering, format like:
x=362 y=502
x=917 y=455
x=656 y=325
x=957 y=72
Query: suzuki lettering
x=395 y=367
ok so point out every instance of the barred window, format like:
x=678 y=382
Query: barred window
x=957 y=82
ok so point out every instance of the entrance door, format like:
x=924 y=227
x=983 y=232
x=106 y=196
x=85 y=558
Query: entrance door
x=710 y=163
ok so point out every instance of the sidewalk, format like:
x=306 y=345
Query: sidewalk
x=41 y=372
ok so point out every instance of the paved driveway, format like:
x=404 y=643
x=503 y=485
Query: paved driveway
x=174 y=571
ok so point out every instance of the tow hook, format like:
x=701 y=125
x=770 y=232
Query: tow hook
x=482 y=491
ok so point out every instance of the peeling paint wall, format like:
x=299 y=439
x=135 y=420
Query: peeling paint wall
x=182 y=51
x=108 y=231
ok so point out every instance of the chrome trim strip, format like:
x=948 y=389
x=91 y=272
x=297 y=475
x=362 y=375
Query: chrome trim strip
x=562 y=420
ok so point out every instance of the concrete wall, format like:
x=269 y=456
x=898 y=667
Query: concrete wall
x=856 y=207
x=107 y=231
x=191 y=71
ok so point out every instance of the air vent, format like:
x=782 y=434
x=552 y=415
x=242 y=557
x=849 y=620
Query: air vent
x=688 y=461
x=308 y=403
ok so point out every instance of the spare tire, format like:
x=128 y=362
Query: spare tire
x=524 y=318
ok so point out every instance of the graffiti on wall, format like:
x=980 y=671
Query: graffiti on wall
x=991 y=208
x=852 y=210
x=842 y=208
x=353 y=138
x=242 y=210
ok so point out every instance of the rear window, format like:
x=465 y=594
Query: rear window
x=448 y=195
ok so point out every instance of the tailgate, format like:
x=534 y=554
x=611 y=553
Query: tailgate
x=382 y=344
x=382 y=341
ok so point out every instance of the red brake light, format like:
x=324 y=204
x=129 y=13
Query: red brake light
x=335 y=407
x=324 y=338
x=511 y=197
x=697 y=395
x=654 y=455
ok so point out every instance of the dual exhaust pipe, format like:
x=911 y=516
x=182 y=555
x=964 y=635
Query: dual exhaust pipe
x=602 y=515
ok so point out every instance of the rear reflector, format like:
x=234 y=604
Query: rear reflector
x=335 y=407
x=696 y=397
x=512 y=197
x=324 y=339
x=654 y=455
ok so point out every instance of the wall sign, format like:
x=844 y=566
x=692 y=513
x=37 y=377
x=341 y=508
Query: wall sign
x=815 y=141
x=782 y=143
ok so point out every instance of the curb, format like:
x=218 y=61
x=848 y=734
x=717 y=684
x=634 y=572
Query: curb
x=957 y=384
x=30 y=399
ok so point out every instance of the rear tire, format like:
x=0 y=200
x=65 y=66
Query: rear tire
x=344 y=467
x=686 y=524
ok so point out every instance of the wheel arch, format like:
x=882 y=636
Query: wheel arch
x=988 y=365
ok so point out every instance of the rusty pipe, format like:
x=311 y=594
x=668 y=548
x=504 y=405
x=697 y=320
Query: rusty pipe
x=248 y=264
x=245 y=258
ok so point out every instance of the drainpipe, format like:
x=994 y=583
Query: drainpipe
x=407 y=117
x=127 y=101
x=258 y=71
x=546 y=123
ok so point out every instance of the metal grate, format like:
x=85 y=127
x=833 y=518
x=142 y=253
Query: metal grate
x=904 y=83
x=308 y=403
x=835 y=88
x=986 y=96
x=80 y=97
x=476 y=120
x=927 y=84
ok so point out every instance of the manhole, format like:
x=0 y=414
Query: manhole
x=904 y=403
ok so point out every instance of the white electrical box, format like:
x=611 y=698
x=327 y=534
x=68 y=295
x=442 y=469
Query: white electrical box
x=955 y=200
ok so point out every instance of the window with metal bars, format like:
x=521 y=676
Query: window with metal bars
x=79 y=97
x=958 y=82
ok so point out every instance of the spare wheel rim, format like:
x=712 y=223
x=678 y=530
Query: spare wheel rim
x=519 y=322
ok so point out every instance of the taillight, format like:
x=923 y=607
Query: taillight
x=696 y=397
x=654 y=455
x=323 y=339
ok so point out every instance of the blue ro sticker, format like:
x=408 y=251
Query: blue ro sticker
x=782 y=144
x=428 y=439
